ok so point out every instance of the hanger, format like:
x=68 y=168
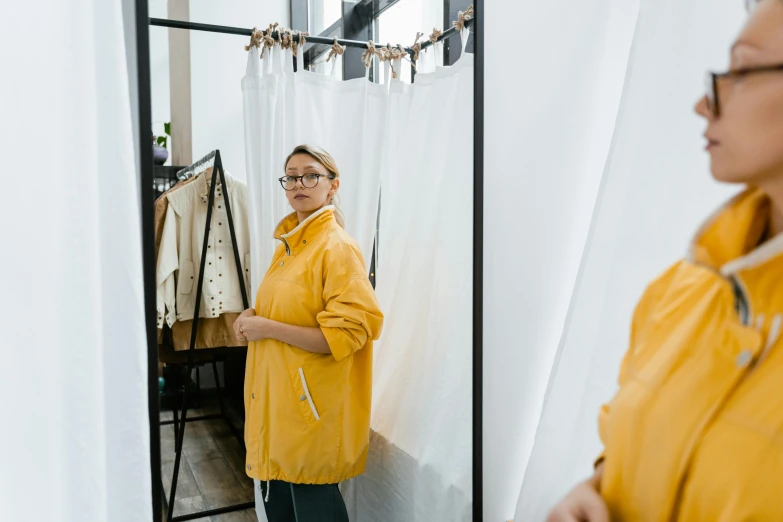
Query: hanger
x=198 y=167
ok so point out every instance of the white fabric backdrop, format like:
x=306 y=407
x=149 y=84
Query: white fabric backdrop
x=655 y=192
x=418 y=139
x=74 y=406
x=420 y=468
x=552 y=90
x=284 y=109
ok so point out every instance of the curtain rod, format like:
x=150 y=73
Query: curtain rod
x=193 y=26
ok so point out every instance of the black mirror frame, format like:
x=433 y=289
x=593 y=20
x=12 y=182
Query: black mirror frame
x=147 y=200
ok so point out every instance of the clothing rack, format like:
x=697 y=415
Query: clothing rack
x=164 y=178
x=179 y=424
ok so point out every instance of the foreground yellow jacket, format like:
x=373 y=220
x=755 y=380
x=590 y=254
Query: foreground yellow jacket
x=695 y=432
x=307 y=415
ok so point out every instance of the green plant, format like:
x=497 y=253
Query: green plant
x=163 y=141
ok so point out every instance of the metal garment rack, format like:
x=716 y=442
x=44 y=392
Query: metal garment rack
x=179 y=424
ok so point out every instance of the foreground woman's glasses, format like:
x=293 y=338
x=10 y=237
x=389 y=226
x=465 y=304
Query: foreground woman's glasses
x=720 y=81
x=308 y=180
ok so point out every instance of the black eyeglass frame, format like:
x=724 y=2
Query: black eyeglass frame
x=713 y=101
x=300 y=179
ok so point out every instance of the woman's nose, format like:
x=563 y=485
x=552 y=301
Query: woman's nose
x=702 y=108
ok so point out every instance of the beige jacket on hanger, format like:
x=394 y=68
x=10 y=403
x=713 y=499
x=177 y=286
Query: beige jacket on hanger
x=215 y=332
x=179 y=255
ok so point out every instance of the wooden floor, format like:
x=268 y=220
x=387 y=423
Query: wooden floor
x=211 y=472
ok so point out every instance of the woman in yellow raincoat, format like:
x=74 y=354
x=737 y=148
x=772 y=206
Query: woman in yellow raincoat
x=308 y=380
x=695 y=432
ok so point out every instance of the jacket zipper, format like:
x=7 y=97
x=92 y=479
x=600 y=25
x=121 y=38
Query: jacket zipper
x=287 y=248
x=742 y=306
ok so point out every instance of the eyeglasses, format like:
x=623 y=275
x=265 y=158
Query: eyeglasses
x=715 y=80
x=308 y=180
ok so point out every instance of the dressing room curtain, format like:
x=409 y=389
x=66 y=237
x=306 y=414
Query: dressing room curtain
x=283 y=109
x=420 y=464
x=75 y=406
x=553 y=83
x=410 y=146
x=656 y=190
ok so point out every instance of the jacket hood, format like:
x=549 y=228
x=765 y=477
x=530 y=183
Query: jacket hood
x=728 y=241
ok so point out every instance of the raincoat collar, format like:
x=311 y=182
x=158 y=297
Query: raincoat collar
x=296 y=235
x=728 y=241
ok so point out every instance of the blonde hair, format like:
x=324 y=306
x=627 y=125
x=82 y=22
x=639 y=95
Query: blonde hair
x=327 y=161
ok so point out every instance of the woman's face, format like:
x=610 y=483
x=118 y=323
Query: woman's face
x=307 y=200
x=746 y=141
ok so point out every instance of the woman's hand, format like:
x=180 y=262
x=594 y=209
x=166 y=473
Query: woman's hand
x=253 y=328
x=250 y=312
x=582 y=504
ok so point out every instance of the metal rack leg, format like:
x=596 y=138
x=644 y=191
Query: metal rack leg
x=163 y=496
x=175 y=411
x=198 y=386
x=178 y=443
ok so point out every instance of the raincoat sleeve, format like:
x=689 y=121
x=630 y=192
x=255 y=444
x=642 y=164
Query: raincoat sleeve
x=351 y=316
x=651 y=296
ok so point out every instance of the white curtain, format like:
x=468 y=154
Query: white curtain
x=284 y=109
x=415 y=140
x=420 y=463
x=656 y=189
x=74 y=386
x=553 y=80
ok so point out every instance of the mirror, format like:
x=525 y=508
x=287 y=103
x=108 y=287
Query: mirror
x=314 y=245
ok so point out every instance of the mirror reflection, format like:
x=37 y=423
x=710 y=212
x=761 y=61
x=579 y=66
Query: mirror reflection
x=314 y=246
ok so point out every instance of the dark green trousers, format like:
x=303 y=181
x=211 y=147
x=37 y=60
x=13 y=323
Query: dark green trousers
x=303 y=502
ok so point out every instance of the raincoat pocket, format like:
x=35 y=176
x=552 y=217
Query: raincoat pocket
x=305 y=398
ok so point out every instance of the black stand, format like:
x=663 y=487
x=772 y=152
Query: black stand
x=180 y=423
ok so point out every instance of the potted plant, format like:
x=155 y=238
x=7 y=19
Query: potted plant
x=160 y=151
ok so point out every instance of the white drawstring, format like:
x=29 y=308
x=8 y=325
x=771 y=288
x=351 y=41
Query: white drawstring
x=775 y=330
x=266 y=499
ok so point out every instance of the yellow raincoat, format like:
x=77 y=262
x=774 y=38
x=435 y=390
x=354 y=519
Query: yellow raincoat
x=307 y=414
x=695 y=432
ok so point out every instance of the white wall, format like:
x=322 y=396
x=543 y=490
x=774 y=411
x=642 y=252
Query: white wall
x=553 y=82
x=159 y=70
x=129 y=25
x=218 y=63
x=217 y=66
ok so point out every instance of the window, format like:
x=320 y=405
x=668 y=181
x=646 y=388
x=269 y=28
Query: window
x=384 y=21
x=322 y=14
x=400 y=23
